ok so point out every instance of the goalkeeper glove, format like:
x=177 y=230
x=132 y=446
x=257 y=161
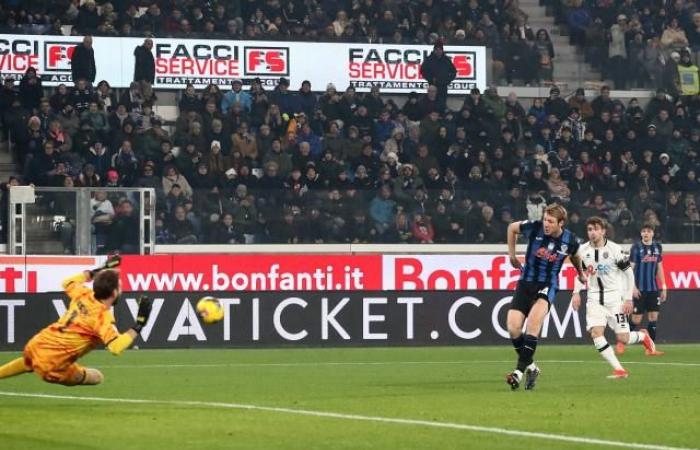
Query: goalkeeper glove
x=143 y=314
x=113 y=261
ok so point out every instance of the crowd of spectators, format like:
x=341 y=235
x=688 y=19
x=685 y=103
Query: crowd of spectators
x=652 y=37
x=520 y=54
x=288 y=165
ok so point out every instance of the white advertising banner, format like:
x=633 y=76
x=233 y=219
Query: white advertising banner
x=394 y=68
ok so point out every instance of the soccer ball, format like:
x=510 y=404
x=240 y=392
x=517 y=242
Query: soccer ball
x=210 y=310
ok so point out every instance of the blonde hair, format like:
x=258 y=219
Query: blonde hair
x=557 y=211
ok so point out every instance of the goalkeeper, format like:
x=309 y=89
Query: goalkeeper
x=52 y=353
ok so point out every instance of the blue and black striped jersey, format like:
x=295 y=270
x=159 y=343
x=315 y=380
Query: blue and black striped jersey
x=545 y=254
x=646 y=259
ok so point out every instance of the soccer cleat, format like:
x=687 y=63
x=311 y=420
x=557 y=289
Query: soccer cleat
x=654 y=353
x=620 y=348
x=648 y=343
x=531 y=375
x=513 y=379
x=618 y=374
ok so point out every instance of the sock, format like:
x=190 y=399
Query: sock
x=636 y=337
x=633 y=326
x=601 y=344
x=518 y=343
x=528 y=351
x=651 y=328
x=14 y=367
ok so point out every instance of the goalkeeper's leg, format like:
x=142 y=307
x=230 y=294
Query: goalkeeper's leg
x=93 y=376
x=76 y=375
x=13 y=368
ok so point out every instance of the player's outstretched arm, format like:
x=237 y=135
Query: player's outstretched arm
x=120 y=342
x=512 y=238
x=113 y=262
x=73 y=282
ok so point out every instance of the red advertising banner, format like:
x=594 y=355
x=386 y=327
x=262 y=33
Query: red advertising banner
x=682 y=271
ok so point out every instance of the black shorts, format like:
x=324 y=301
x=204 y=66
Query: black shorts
x=528 y=292
x=647 y=302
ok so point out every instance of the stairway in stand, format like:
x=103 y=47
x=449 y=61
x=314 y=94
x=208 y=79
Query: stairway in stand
x=570 y=69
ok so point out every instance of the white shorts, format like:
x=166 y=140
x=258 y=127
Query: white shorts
x=610 y=314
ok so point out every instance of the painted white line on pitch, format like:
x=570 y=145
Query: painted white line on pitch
x=356 y=417
x=378 y=363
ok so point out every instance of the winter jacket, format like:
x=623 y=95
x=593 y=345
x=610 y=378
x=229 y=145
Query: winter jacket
x=438 y=70
x=144 y=65
x=83 y=64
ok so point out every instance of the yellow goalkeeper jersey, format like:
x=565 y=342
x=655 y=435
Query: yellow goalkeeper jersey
x=86 y=324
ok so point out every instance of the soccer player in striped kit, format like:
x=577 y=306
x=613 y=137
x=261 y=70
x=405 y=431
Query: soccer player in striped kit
x=609 y=299
x=549 y=244
x=646 y=257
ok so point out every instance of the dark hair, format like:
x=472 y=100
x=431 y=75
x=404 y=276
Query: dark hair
x=597 y=221
x=105 y=283
x=648 y=226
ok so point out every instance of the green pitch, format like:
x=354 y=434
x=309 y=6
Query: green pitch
x=217 y=399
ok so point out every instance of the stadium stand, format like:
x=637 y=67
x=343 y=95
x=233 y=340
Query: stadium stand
x=291 y=166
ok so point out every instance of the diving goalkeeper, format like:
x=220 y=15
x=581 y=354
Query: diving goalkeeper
x=52 y=353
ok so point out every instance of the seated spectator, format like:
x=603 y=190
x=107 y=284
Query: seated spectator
x=123 y=232
x=180 y=228
x=382 y=210
x=236 y=95
x=487 y=230
x=60 y=98
x=88 y=177
x=102 y=217
x=673 y=37
x=172 y=176
x=30 y=89
x=190 y=101
x=81 y=96
x=558 y=189
x=422 y=229
x=126 y=163
x=105 y=97
x=245 y=142
x=225 y=232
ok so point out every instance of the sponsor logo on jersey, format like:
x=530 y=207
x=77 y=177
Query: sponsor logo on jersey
x=603 y=269
x=543 y=253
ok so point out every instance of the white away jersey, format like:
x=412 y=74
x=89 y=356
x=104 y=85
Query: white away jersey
x=605 y=267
